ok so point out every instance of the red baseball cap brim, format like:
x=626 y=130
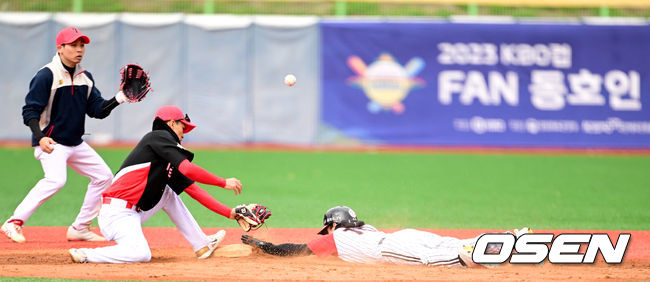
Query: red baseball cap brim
x=188 y=126
x=69 y=35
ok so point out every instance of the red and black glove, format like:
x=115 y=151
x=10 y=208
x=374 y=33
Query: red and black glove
x=251 y=216
x=135 y=83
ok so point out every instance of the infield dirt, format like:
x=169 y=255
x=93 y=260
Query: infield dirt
x=45 y=255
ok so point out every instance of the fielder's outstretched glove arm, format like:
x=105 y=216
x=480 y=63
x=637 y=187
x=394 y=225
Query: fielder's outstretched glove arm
x=282 y=250
x=199 y=174
x=200 y=195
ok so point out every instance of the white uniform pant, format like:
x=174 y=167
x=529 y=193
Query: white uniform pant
x=83 y=160
x=124 y=226
x=410 y=246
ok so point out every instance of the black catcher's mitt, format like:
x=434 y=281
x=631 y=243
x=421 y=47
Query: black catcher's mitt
x=135 y=83
x=251 y=216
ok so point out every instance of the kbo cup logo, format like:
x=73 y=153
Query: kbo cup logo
x=533 y=248
x=385 y=81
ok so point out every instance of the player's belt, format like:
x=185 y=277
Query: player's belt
x=119 y=203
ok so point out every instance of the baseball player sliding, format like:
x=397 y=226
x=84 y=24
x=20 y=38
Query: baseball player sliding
x=354 y=241
x=150 y=179
x=60 y=95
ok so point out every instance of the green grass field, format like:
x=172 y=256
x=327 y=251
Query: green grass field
x=389 y=190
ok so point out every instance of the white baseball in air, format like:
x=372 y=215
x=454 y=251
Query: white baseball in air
x=290 y=79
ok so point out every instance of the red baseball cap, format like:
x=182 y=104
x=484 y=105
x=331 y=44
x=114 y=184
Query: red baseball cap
x=69 y=35
x=170 y=112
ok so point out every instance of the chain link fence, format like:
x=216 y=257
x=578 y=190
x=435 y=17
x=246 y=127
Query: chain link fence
x=413 y=8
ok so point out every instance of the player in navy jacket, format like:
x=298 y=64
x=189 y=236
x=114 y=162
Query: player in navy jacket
x=60 y=96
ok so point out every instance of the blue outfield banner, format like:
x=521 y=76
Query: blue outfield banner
x=442 y=83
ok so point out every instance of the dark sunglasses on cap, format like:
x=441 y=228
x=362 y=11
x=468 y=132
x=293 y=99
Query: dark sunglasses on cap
x=187 y=118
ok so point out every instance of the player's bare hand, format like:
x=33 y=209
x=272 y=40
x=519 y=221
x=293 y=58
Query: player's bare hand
x=233 y=184
x=45 y=144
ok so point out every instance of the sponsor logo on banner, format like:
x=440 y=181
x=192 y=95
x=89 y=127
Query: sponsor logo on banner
x=533 y=248
x=385 y=82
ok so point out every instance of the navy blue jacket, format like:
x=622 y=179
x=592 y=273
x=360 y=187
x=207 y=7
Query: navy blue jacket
x=60 y=102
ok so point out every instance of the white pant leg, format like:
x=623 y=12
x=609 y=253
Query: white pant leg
x=410 y=246
x=440 y=251
x=184 y=221
x=85 y=161
x=181 y=217
x=164 y=199
x=55 y=170
x=123 y=226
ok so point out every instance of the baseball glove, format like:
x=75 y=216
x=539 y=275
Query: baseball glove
x=135 y=83
x=251 y=216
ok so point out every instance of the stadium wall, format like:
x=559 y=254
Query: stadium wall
x=461 y=81
x=225 y=71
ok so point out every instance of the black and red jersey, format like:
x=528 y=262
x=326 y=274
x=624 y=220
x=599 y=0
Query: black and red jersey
x=151 y=166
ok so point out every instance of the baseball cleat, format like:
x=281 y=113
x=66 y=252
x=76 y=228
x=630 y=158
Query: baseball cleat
x=78 y=255
x=522 y=231
x=465 y=254
x=83 y=235
x=14 y=232
x=467 y=250
x=214 y=240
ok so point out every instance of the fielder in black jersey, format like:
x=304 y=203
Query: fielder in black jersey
x=149 y=167
x=152 y=176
